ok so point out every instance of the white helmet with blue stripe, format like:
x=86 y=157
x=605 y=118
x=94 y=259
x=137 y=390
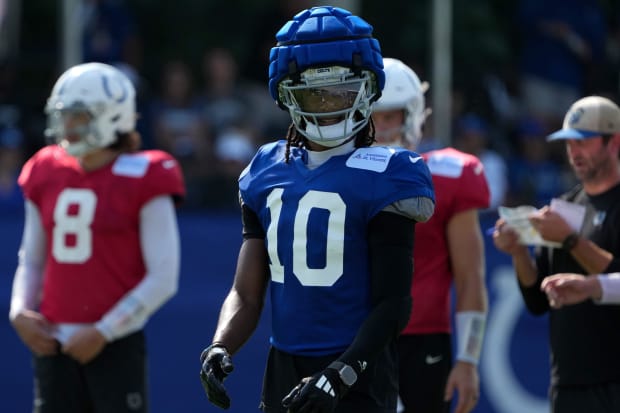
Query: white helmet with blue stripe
x=404 y=91
x=101 y=91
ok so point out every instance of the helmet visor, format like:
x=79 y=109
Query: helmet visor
x=327 y=99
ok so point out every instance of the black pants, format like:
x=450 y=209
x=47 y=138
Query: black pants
x=424 y=364
x=603 y=398
x=374 y=392
x=113 y=382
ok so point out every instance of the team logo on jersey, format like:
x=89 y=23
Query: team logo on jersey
x=131 y=165
x=372 y=159
x=362 y=364
x=168 y=163
x=598 y=218
x=478 y=169
x=446 y=166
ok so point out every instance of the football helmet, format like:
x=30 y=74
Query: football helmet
x=403 y=90
x=326 y=70
x=99 y=93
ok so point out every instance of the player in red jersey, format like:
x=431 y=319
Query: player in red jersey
x=449 y=250
x=100 y=249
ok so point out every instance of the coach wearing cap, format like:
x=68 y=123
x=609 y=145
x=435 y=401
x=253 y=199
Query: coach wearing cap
x=585 y=337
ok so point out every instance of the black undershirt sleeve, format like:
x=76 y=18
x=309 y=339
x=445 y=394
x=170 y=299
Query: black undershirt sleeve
x=390 y=244
x=534 y=298
x=252 y=227
x=614 y=266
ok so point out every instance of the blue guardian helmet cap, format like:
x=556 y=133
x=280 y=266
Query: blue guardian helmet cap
x=326 y=70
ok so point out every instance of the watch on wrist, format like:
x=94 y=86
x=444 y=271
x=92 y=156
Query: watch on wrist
x=570 y=242
x=347 y=373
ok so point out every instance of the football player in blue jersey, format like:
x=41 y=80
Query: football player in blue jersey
x=328 y=225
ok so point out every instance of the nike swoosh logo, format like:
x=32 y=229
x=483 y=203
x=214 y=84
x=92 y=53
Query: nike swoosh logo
x=432 y=360
x=168 y=164
x=414 y=160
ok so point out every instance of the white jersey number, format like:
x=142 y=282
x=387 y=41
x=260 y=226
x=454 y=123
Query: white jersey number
x=72 y=234
x=316 y=277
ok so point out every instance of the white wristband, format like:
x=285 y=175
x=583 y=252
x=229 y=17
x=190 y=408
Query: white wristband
x=469 y=335
x=610 y=288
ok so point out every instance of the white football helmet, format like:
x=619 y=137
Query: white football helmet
x=329 y=93
x=403 y=90
x=104 y=93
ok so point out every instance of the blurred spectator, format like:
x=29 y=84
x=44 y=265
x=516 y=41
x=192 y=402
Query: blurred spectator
x=472 y=136
x=230 y=113
x=233 y=102
x=534 y=177
x=12 y=138
x=233 y=151
x=561 y=41
x=226 y=104
x=179 y=128
x=263 y=35
x=110 y=34
x=613 y=53
x=271 y=122
x=143 y=100
x=11 y=159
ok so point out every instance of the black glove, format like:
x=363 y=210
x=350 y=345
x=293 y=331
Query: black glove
x=216 y=365
x=317 y=394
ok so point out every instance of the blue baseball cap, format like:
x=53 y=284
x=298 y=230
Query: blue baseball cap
x=589 y=117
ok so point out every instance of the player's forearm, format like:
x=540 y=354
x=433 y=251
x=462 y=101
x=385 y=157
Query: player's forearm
x=26 y=290
x=237 y=321
x=525 y=268
x=469 y=284
x=382 y=325
x=242 y=307
x=160 y=243
x=592 y=258
x=390 y=240
x=471 y=295
x=28 y=279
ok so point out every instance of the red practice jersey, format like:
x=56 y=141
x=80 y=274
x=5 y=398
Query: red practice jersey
x=92 y=226
x=460 y=185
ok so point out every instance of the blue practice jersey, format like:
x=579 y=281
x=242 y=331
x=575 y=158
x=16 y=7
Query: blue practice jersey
x=316 y=223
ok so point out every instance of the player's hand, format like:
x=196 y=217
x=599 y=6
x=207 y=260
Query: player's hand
x=465 y=381
x=85 y=344
x=216 y=365
x=506 y=239
x=317 y=394
x=565 y=289
x=550 y=225
x=36 y=332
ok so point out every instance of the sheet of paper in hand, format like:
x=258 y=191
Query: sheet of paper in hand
x=517 y=218
x=572 y=213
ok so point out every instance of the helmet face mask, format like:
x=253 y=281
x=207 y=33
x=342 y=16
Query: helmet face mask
x=403 y=91
x=89 y=105
x=329 y=104
x=75 y=128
